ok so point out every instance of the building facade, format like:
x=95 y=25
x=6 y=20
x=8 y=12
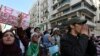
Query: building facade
x=48 y=14
x=34 y=15
x=43 y=10
x=67 y=9
x=44 y=14
x=97 y=18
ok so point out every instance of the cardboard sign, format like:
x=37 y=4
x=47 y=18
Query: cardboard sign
x=8 y=19
x=25 y=21
x=10 y=16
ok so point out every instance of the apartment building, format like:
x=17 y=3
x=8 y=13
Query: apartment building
x=67 y=9
x=34 y=15
x=48 y=14
x=97 y=18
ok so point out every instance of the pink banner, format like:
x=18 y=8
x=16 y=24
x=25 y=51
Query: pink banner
x=25 y=21
x=10 y=16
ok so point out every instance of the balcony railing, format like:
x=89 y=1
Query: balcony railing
x=56 y=2
x=63 y=5
x=54 y=12
x=77 y=8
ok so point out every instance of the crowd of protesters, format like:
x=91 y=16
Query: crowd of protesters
x=77 y=41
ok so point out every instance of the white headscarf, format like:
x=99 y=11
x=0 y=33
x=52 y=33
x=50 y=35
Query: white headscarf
x=34 y=33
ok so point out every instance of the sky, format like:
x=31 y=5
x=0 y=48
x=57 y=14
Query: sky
x=20 y=5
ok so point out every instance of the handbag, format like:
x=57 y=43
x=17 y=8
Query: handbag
x=54 y=49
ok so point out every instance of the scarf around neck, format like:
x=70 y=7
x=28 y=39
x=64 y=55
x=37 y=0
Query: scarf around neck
x=33 y=49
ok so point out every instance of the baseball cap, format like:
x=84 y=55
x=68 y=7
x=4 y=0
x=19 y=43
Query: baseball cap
x=76 y=20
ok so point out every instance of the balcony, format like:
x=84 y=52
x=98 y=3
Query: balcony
x=97 y=26
x=91 y=7
x=63 y=6
x=90 y=11
x=84 y=7
x=55 y=16
x=54 y=12
x=45 y=20
x=56 y=2
x=79 y=7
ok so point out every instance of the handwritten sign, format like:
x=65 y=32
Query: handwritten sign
x=25 y=21
x=10 y=16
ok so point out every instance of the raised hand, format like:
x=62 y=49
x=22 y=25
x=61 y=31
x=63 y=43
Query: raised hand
x=20 y=17
x=85 y=30
x=0 y=27
x=13 y=28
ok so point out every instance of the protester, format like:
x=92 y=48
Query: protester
x=91 y=48
x=29 y=44
x=56 y=37
x=37 y=29
x=51 y=31
x=28 y=32
x=56 y=40
x=97 y=43
x=0 y=32
x=8 y=45
x=46 y=42
x=33 y=47
x=75 y=42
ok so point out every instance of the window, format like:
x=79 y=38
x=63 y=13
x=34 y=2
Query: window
x=74 y=16
x=64 y=21
x=55 y=1
x=64 y=1
x=76 y=6
x=54 y=7
x=88 y=6
x=38 y=20
x=33 y=14
x=91 y=1
x=88 y=18
x=99 y=16
x=66 y=10
x=99 y=6
x=53 y=24
x=53 y=16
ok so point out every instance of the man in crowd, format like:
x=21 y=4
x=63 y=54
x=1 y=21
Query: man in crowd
x=75 y=42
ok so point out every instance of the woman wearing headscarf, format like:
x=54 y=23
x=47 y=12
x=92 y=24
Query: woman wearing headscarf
x=8 y=45
x=56 y=40
x=33 y=47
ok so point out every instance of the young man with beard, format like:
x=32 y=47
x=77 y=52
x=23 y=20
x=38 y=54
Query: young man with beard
x=75 y=42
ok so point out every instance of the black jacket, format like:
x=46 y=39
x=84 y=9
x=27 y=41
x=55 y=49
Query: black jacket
x=73 y=46
x=91 y=49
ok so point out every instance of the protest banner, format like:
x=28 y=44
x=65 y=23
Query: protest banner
x=10 y=16
x=25 y=21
